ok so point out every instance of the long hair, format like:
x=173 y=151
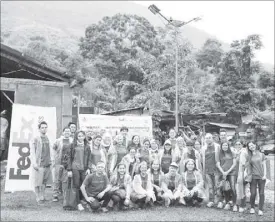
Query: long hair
x=249 y=151
x=76 y=136
x=222 y=152
x=151 y=168
x=132 y=142
x=187 y=161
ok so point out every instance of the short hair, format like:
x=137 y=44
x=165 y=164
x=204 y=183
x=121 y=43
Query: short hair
x=66 y=127
x=42 y=123
x=223 y=130
x=124 y=128
x=97 y=136
x=101 y=162
x=71 y=123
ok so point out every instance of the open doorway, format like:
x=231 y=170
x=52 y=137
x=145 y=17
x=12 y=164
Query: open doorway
x=7 y=99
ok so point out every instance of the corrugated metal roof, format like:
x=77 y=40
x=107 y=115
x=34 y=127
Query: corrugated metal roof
x=223 y=125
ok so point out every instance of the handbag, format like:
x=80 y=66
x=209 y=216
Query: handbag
x=70 y=202
x=225 y=185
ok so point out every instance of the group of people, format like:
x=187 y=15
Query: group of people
x=119 y=173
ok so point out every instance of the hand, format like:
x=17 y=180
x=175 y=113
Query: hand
x=70 y=174
x=114 y=189
x=126 y=202
x=35 y=167
x=191 y=193
x=239 y=179
x=87 y=172
x=147 y=199
x=100 y=195
x=90 y=199
x=264 y=178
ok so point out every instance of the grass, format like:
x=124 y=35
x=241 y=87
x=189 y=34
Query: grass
x=21 y=206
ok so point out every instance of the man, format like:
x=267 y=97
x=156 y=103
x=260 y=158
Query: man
x=124 y=131
x=72 y=127
x=95 y=188
x=41 y=161
x=172 y=186
x=61 y=149
x=223 y=136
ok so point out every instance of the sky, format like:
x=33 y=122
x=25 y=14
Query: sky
x=227 y=20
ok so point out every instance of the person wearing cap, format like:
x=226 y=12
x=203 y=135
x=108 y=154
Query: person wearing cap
x=210 y=153
x=190 y=153
x=97 y=154
x=166 y=156
x=143 y=193
x=192 y=183
x=172 y=186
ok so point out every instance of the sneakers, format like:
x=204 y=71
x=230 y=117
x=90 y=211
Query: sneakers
x=227 y=207
x=80 y=207
x=55 y=199
x=182 y=201
x=241 y=209
x=260 y=213
x=231 y=203
x=235 y=208
x=167 y=202
x=104 y=210
x=220 y=205
x=252 y=211
x=210 y=204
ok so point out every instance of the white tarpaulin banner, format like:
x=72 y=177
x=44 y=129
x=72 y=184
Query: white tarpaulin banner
x=137 y=125
x=24 y=126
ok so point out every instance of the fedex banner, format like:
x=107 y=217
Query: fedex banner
x=137 y=125
x=24 y=126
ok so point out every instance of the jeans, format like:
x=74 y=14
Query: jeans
x=96 y=203
x=212 y=181
x=78 y=178
x=231 y=193
x=60 y=179
x=253 y=190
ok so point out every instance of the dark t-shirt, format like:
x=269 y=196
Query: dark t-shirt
x=45 y=154
x=65 y=152
x=95 y=184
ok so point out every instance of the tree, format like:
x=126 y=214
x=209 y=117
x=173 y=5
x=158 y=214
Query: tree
x=234 y=84
x=210 y=56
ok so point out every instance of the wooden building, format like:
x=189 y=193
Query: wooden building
x=26 y=81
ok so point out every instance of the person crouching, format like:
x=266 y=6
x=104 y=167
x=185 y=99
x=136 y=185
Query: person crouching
x=95 y=188
x=192 y=184
x=121 y=187
x=172 y=186
x=142 y=194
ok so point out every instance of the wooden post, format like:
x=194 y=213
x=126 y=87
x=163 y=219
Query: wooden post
x=78 y=108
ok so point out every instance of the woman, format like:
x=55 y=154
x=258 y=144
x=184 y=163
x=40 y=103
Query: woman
x=182 y=148
x=121 y=187
x=153 y=151
x=257 y=170
x=131 y=162
x=142 y=193
x=226 y=164
x=193 y=191
x=97 y=154
x=135 y=143
x=156 y=175
x=209 y=156
x=197 y=146
x=117 y=153
x=79 y=163
x=144 y=151
x=172 y=138
x=190 y=153
x=166 y=156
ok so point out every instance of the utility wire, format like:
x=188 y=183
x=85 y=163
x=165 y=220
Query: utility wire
x=8 y=98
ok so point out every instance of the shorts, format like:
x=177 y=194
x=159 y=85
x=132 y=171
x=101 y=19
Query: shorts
x=41 y=176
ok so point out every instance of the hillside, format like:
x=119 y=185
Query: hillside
x=69 y=20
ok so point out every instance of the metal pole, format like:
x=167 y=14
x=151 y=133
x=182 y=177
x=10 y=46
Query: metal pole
x=78 y=109
x=177 y=95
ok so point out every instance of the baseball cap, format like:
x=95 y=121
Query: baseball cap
x=174 y=164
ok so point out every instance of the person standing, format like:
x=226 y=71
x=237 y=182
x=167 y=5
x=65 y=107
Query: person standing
x=95 y=188
x=41 y=161
x=135 y=143
x=97 y=154
x=72 y=127
x=124 y=132
x=61 y=149
x=257 y=169
x=209 y=156
x=166 y=156
x=131 y=162
x=79 y=164
x=144 y=151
